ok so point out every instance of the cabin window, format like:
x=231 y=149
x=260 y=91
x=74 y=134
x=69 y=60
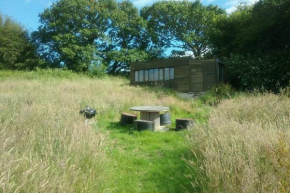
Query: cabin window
x=146 y=75
x=166 y=74
x=136 y=76
x=171 y=73
x=160 y=74
x=151 y=75
x=155 y=74
x=141 y=75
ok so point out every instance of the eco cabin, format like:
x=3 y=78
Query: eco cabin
x=184 y=74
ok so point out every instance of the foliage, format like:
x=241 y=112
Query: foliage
x=255 y=48
x=269 y=70
x=16 y=51
x=244 y=147
x=127 y=35
x=217 y=94
x=181 y=24
x=70 y=33
x=96 y=71
x=80 y=34
x=38 y=74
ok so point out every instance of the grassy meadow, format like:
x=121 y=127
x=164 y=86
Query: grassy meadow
x=239 y=145
x=47 y=147
x=244 y=147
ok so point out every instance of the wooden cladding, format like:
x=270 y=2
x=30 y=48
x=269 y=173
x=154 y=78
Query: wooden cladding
x=165 y=63
x=183 y=74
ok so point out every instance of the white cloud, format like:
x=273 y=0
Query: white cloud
x=231 y=5
x=231 y=9
x=142 y=3
x=27 y=1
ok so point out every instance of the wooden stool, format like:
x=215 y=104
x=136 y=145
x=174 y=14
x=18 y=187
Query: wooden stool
x=127 y=118
x=183 y=123
x=141 y=125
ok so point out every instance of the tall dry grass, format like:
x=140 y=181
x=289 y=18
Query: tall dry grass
x=45 y=145
x=244 y=148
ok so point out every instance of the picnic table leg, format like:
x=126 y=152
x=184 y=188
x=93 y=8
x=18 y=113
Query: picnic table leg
x=144 y=116
x=151 y=116
x=156 y=118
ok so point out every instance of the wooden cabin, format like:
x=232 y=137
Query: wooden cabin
x=184 y=74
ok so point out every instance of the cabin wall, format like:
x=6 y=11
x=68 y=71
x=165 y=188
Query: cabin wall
x=189 y=75
x=182 y=76
x=196 y=76
x=181 y=73
x=203 y=75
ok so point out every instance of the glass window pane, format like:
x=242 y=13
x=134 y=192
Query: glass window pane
x=166 y=73
x=151 y=77
x=171 y=73
x=155 y=74
x=141 y=75
x=160 y=74
x=136 y=76
x=146 y=75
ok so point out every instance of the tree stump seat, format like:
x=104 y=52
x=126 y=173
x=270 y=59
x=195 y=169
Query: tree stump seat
x=141 y=125
x=183 y=123
x=165 y=119
x=127 y=118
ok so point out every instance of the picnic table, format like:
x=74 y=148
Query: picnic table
x=151 y=113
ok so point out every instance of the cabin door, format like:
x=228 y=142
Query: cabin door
x=196 y=78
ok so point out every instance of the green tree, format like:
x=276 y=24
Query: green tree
x=231 y=34
x=71 y=33
x=83 y=34
x=16 y=51
x=255 y=43
x=127 y=35
x=181 y=24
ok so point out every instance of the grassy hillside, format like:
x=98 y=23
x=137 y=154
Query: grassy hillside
x=245 y=147
x=47 y=147
x=238 y=145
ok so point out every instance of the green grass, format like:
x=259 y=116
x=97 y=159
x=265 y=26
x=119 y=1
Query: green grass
x=244 y=147
x=45 y=145
x=239 y=145
x=147 y=161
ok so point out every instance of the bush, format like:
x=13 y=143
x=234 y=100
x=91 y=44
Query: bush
x=97 y=71
x=38 y=74
x=218 y=93
x=269 y=70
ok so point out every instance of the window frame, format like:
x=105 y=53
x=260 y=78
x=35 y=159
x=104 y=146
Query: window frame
x=136 y=76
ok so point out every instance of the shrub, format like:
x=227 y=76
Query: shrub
x=218 y=93
x=269 y=70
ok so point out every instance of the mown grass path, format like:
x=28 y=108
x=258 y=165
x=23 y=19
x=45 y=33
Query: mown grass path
x=146 y=161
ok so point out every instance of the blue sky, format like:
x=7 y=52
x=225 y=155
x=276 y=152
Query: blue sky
x=26 y=11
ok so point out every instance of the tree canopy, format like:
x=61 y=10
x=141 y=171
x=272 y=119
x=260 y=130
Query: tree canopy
x=71 y=33
x=181 y=24
x=126 y=37
x=16 y=51
x=78 y=34
x=254 y=42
